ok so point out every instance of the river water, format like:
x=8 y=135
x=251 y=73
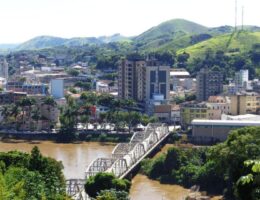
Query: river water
x=75 y=158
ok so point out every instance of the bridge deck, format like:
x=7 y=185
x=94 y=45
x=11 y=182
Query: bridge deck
x=144 y=156
x=125 y=157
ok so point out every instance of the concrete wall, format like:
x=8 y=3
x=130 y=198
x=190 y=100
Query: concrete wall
x=215 y=132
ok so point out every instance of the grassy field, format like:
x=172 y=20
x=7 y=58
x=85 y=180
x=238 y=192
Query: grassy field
x=229 y=43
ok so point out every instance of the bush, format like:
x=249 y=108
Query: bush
x=112 y=195
x=105 y=181
x=102 y=137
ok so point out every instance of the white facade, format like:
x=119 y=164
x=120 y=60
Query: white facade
x=4 y=69
x=241 y=78
x=46 y=69
x=57 y=88
x=102 y=87
x=176 y=116
x=2 y=82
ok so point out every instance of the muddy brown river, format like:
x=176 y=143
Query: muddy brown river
x=75 y=158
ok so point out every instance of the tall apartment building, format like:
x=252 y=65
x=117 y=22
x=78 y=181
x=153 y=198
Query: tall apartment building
x=209 y=83
x=141 y=80
x=130 y=83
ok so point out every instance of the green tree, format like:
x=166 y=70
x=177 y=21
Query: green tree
x=30 y=176
x=89 y=98
x=83 y=85
x=105 y=181
x=112 y=195
x=131 y=119
x=183 y=59
x=51 y=104
x=26 y=104
x=73 y=72
x=248 y=186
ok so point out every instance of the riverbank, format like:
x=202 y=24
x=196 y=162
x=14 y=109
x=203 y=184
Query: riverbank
x=80 y=137
x=190 y=193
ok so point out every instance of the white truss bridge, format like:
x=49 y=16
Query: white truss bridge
x=125 y=157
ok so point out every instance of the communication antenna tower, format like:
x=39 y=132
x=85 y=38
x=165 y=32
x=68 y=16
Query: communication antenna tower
x=242 y=17
x=235 y=15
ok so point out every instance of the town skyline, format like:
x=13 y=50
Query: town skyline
x=22 y=21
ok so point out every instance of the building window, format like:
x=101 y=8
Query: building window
x=163 y=90
x=153 y=76
x=162 y=76
x=151 y=90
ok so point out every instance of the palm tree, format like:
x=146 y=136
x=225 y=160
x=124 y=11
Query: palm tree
x=15 y=111
x=89 y=97
x=24 y=103
x=4 y=111
x=36 y=115
x=50 y=103
x=84 y=113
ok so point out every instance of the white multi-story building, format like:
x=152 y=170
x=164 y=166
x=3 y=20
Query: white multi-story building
x=57 y=88
x=241 y=79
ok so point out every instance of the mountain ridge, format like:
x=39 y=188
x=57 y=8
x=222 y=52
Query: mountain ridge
x=175 y=33
x=46 y=41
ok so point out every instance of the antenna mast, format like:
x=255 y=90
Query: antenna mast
x=242 y=17
x=235 y=15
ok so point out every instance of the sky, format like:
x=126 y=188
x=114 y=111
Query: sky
x=21 y=20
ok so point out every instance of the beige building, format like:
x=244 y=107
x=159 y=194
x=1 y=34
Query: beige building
x=140 y=80
x=245 y=104
x=51 y=113
x=163 y=112
x=192 y=110
x=218 y=105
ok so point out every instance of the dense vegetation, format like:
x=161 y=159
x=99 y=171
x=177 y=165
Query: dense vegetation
x=103 y=184
x=121 y=113
x=217 y=169
x=30 y=176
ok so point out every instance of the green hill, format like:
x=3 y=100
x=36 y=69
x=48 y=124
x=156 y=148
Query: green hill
x=43 y=42
x=241 y=41
x=179 y=34
x=114 y=38
x=167 y=32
